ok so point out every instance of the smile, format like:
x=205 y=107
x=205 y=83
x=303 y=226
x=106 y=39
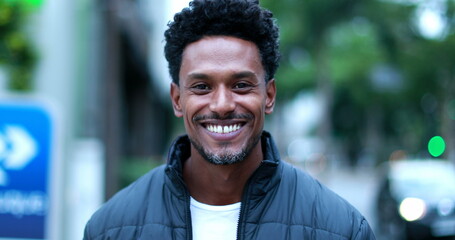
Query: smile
x=222 y=129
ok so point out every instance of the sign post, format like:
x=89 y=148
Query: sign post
x=26 y=161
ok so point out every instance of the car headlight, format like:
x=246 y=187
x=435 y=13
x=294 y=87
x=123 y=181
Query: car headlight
x=412 y=209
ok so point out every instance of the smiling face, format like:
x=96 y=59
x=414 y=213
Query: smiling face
x=223 y=98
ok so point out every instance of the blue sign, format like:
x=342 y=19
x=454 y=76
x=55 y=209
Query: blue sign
x=26 y=133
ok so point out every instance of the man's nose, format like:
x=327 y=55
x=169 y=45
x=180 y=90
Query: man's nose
x=222 y=101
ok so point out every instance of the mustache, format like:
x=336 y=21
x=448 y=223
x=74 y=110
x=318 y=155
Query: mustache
x=216 y=116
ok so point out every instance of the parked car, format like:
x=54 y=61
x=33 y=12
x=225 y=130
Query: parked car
x=416 y=200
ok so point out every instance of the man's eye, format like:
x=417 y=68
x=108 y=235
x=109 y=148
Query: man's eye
x=201 y=87
x=242 y=85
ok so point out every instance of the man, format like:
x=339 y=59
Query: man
x=225 y=179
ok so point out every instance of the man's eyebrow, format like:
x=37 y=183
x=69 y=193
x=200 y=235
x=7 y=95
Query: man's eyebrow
x=244 y=74
x=201 y=76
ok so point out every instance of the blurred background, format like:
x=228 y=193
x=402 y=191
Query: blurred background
x=362 y=85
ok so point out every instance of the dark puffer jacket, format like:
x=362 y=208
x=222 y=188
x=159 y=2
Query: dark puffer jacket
x=279 y=202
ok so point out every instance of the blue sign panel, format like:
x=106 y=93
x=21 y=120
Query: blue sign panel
x=25 y=159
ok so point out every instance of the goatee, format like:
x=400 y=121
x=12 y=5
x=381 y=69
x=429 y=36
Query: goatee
x=227 y=157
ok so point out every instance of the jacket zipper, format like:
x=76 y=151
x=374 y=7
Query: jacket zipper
x=188 y=216
x=243 y=206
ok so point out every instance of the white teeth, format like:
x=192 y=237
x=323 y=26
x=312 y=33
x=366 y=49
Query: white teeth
x=223 y=129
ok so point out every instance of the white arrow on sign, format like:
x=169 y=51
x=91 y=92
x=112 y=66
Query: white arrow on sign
x=21 y=151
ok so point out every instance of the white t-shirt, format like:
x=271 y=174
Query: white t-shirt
x=214 y=222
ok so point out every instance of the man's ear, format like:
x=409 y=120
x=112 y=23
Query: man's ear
x=175 y=98
x=271 y=95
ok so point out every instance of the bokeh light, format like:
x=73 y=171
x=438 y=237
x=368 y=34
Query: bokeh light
x=29 y=3
x=436 y=146
x=412 y=209
x=36 y=3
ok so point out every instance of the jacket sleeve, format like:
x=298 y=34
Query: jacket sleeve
x=364 y=232
x=86 y=233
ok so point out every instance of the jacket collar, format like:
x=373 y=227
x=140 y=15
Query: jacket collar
x=262 y=180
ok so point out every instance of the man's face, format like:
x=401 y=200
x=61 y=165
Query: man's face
x=223 y=97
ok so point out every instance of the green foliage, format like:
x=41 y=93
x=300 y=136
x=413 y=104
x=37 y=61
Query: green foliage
x=17 y=54
x=354 y=51
x=375 y=60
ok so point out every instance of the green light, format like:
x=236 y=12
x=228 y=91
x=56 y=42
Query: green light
x=436 y=146
x=35 y=3
x=29 y=4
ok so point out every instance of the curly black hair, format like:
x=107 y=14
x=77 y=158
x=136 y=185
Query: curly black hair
x=244 y=19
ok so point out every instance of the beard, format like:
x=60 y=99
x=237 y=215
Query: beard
x=227 y=157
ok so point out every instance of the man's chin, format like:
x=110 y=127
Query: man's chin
x=225 y=159
x=226 y=156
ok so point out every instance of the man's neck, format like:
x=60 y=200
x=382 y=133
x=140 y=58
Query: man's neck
x=219 y=184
